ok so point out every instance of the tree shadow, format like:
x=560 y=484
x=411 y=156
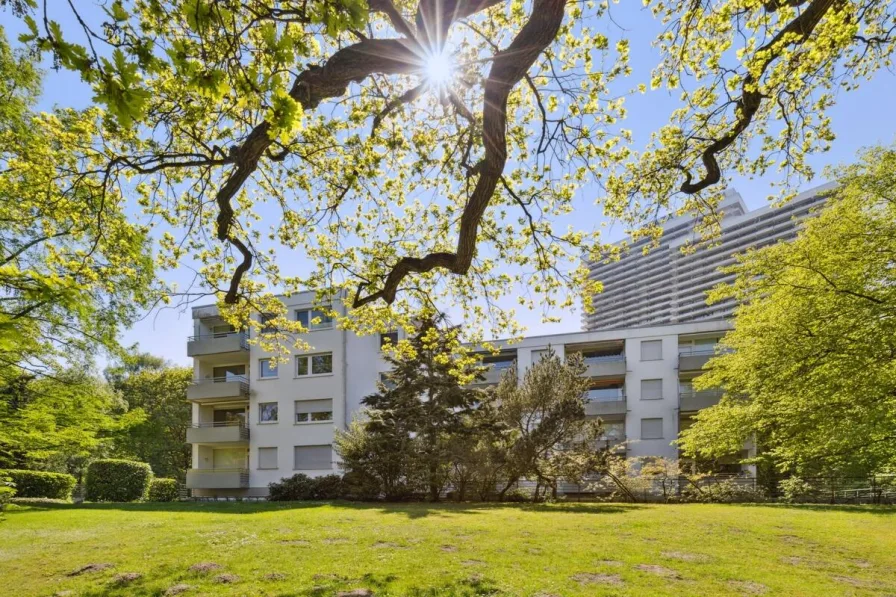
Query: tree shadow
x=412 y=510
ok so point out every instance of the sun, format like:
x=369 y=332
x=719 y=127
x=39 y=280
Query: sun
x=438 y=68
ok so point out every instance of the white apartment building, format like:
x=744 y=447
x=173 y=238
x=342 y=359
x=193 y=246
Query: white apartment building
x=669 y=286
x=254 y=423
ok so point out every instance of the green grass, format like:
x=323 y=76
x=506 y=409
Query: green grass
x=419 y=549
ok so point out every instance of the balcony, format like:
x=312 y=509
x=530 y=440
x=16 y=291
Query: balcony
x=615 y=444
x=612 y=365
x=695 y=358
x=605 y=401
x=222 y=346
x=219 y=389
x=217 y=478
x=218 y=432
x=494 y=372
x=692 y=401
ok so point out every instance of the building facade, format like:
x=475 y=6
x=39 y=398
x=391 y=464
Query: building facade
x=255 y=423
x=669 y=286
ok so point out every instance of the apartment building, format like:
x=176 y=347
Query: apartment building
x=669 y=286
x=255 y=422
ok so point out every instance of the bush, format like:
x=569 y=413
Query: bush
x=7 y=490
x=41 y=484
x=518 y=496
x=328 y=487
x=360 y=486
x=163 y=490
x=303 y=487
x=297 y=487
x=117 y=481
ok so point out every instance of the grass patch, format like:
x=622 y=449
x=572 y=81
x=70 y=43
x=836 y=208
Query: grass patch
x=316 y=549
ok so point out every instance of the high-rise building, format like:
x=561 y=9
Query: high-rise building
x=667 y=285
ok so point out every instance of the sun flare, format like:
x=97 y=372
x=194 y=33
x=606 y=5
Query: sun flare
x=438 y=68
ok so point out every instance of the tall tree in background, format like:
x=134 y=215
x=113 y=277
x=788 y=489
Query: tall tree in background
x=419 y=150
x=148 y=384
x=812 y=373
x=60 y=422
x=73 y=269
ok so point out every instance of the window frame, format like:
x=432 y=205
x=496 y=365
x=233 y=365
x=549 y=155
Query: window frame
x=309 y=364
x=652 y=342
x=276 y=459
x=660 y=397
x=326 y=324
x=276 y=419
x=261 y=374
x=662 y=423
x=309 y=415
x=390 y=335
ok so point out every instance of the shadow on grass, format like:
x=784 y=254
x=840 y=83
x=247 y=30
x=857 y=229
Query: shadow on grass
x=326 y=586
x=412 y=510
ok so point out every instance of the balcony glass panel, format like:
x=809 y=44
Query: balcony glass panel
x=605 y=395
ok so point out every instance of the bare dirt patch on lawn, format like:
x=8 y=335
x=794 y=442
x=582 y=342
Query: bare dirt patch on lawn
x=89 y=568
x=587 y=578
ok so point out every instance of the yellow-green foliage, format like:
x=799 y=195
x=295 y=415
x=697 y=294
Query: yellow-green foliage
x=811 y=374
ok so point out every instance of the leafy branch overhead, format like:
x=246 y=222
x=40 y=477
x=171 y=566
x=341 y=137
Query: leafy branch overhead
x=246 y=126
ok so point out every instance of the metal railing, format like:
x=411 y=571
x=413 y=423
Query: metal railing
x=605 y=395
x=500 y=365
x=224 y=379
x=605 y=358
x=699 y=351
x=207 y=424
x=244 y=337
x=700 y=394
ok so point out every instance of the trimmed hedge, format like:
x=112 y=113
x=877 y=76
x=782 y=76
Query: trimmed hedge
x=163 y=490
x=41 y=484
x=303 y=487
x=114 y=480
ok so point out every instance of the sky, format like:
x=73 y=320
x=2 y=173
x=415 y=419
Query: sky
x=860 y=118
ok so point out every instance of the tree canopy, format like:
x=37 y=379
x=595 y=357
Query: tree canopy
x=73 y=268
x=423 y=150
x=811 y=373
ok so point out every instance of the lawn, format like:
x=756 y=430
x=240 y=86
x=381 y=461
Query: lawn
x=311 y=549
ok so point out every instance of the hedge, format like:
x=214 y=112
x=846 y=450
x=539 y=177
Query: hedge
x=163 y=490
x=41 y=484
x=303 y=487
x=117 y=481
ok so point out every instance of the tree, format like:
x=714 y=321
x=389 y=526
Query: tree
x=415 y=419
x=216 y=108
x=60 y=422
x=73 y=269
x=550 y=436
x=810 y=375
x=159 y=390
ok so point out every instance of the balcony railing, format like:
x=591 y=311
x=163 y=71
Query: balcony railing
x=217 y=478
x=215 y=388
x=211 y=432
x=217 y=343
x=604 y=358
x=605 y=395
x=690 y=400
x=693 y=351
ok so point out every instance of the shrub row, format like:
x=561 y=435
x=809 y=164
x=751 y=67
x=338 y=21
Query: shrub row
x=41 y=484
x=117 y=481
x=163 y=490
x=303 y=487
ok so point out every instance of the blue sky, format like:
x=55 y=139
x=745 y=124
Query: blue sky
x=860 y=118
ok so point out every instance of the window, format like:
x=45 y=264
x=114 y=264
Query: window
x=229 y=416
x=229 y=373
x=222 y=331
x=651 y=389
x=267 y=412
x=387 y=381
x=267 y=458
x=313 y=458
x=314 y=319
x=651 y=350
x=314 y=411
x=266 y=326
x=314 y=364
x=267 y=368
x=388 y=339
x=651 y=429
